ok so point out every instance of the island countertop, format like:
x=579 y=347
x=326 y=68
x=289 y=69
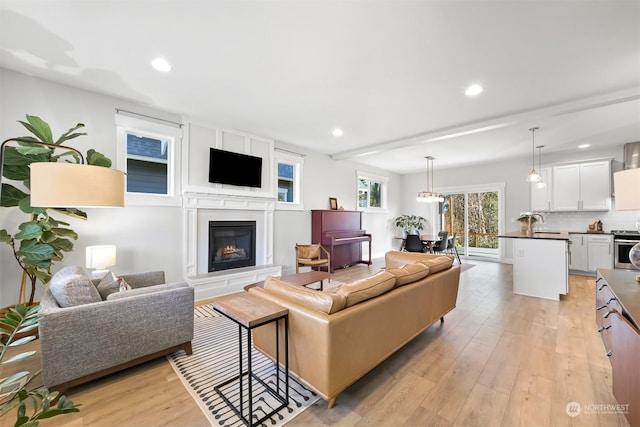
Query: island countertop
x=545 y=234
x=540 y=263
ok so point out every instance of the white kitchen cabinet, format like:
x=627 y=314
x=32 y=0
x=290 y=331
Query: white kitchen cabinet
x=541 y=197
x=582 y=186
x=595 y=186
x=578 y=252
x=566 y=188
x=600 y=252
x=588 y=252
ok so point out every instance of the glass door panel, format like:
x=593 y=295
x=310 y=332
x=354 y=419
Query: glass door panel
x=474 y=216
x=454 y=219
x=482 y=219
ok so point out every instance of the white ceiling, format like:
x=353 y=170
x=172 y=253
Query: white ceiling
x=392 y=74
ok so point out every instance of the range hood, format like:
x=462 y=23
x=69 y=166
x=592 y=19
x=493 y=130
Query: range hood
x=631 y=158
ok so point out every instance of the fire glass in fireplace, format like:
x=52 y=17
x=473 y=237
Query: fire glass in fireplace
x=232 y=244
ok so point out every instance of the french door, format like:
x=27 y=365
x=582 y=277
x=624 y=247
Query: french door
x=475 y=217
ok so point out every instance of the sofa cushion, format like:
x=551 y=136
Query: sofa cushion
x=325 y=302
x=409 y=273
x=364 y=289
x=108 y=285
x=72 y=286
x=438 y=263
x=435 y=262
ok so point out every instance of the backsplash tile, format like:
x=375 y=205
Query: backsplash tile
x=579 y=221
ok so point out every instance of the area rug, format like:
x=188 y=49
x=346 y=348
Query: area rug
x=466 y=266
x=215 y=359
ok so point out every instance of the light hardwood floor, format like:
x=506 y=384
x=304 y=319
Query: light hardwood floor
x=499 y=359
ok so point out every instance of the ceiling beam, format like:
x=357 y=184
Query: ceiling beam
x=529 y=116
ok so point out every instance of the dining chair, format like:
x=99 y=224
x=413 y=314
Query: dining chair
x=452 y=247
x=413 y=243
x=441 y=245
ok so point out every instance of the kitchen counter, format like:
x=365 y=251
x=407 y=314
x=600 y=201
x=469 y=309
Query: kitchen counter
x=543 y=234
x=593 y=233
x=540 y=263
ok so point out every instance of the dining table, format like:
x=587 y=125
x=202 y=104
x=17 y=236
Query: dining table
x=427 y=239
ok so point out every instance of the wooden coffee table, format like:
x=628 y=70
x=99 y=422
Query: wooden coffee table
x=300 y=279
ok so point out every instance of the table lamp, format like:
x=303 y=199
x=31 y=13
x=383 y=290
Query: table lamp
x=100 y=257
x=627 y=196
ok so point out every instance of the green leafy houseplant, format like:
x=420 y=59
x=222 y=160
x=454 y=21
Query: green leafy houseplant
x=42 y=240
x=20 y=320
x=410 y=223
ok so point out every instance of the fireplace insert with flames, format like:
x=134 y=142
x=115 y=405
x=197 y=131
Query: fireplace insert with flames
x=232 y=244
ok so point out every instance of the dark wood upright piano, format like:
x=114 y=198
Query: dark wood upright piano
x=341 y=233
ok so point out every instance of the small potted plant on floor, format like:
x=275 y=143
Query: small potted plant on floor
x=410 y=224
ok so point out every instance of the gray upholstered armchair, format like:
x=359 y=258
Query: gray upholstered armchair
x=82 y=342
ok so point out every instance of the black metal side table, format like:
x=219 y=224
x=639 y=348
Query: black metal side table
x=250 y=312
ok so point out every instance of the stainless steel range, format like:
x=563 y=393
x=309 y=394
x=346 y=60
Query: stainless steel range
x=623 y=241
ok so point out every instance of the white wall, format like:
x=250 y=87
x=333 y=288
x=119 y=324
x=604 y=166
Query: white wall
x=146 y=238
x=324 y=178
x=149 y=238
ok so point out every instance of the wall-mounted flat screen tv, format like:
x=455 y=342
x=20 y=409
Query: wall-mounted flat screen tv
x=227 y=167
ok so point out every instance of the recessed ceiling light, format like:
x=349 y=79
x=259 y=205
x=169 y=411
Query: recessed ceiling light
x=473 y=90
x=337 y=132
x=584 y=146
x=161 y=64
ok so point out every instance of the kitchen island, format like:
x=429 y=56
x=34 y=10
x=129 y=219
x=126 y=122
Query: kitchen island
x=540 y=263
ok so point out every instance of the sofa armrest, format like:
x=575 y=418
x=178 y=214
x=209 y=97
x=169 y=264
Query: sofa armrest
x=78 y=341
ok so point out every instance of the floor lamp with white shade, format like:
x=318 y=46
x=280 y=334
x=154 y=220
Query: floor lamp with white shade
x=51 y=184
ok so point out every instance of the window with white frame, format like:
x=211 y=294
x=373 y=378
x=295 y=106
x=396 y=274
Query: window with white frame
x=147 y=161
x=289 y=179
x=149 y=154
x=372 y=192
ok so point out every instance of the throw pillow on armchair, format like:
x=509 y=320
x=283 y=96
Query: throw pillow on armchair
x=72 y=286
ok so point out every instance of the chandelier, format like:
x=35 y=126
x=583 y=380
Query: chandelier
x=429 y=195
x=533 y=175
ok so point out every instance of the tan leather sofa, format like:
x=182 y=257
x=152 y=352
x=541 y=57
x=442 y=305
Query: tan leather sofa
x=338 y=335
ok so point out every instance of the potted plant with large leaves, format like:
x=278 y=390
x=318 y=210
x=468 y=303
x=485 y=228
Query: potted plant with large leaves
x=410 y=224
x=42 y=240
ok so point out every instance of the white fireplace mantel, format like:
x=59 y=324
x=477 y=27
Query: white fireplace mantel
x=199 y=209
x=223 y=201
